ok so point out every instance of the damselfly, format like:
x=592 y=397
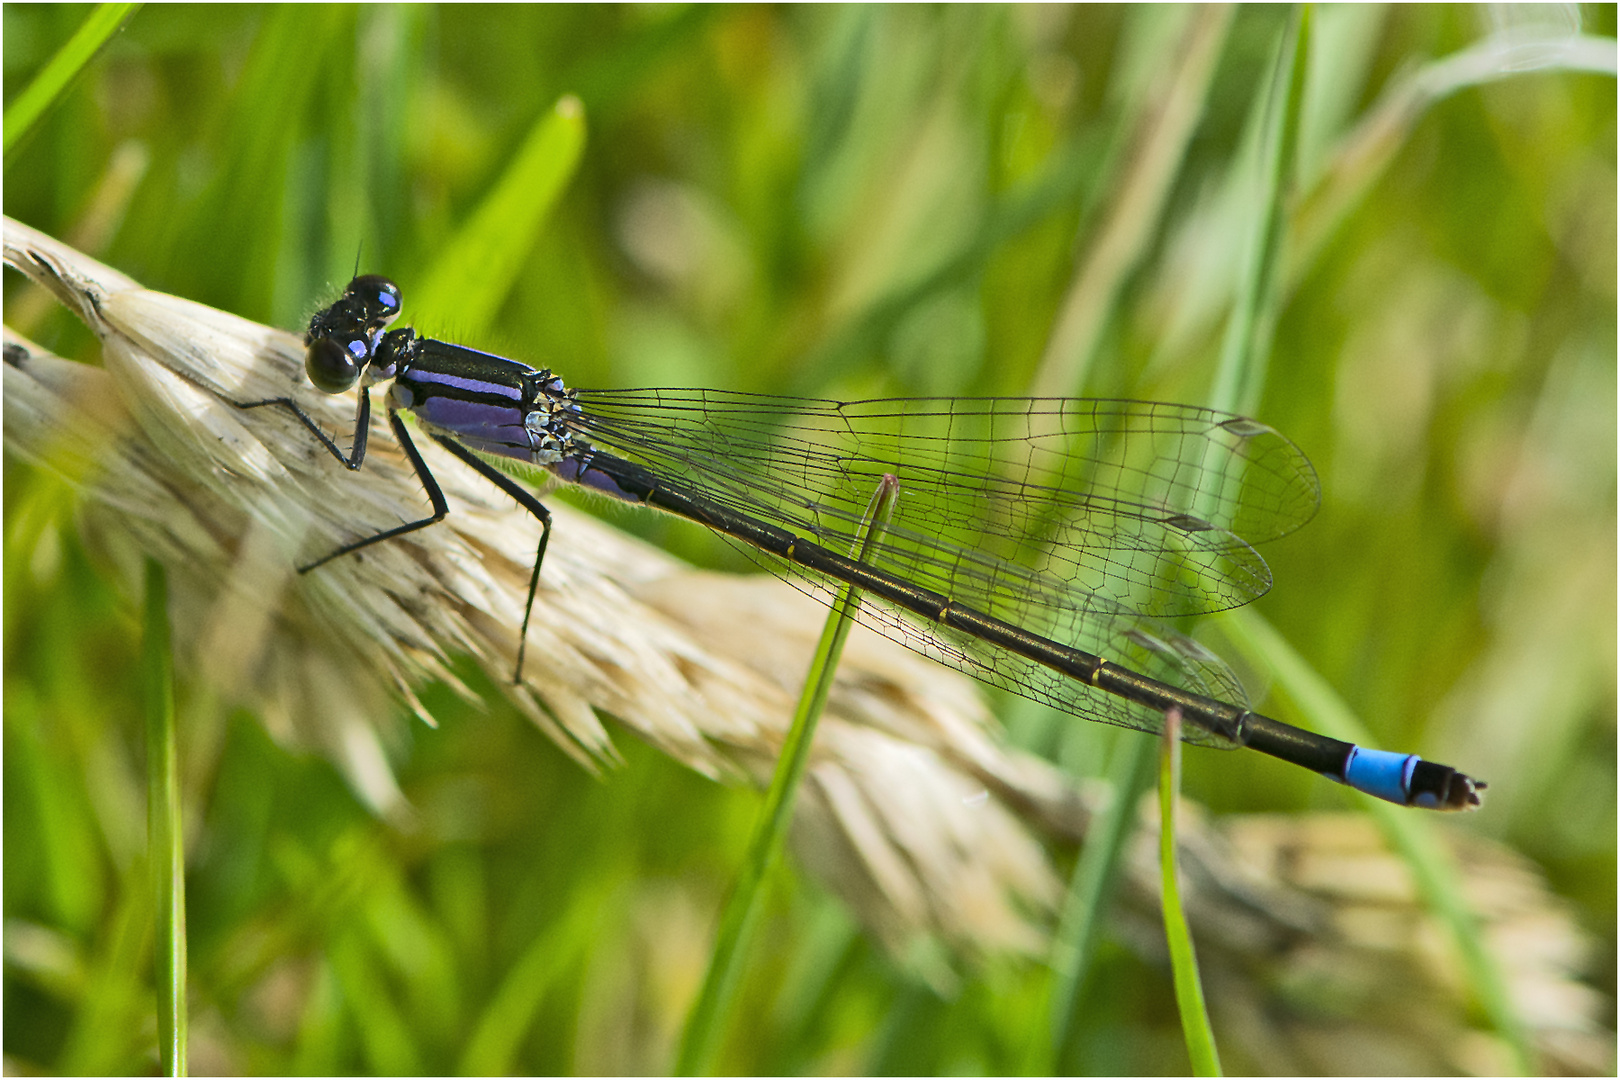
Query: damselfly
x=1032 y=537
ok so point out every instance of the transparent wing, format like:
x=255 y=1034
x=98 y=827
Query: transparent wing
x=1004 y=501
x=1081 y=520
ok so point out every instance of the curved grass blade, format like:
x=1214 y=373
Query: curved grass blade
x=472 y=274
x=1240 y=376
x=58 y=74
x=1365 y=152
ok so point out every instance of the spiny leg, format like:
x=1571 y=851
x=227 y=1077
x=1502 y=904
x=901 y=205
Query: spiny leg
x=362 y=427
x=526 y=499
x=429 y=485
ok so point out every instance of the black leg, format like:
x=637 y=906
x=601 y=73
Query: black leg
x=429 y=485
x=526 y=499
x=362 y=428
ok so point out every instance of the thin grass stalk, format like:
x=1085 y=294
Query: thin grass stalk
x=713 y=1011
x=165 y=835
x=1195 y=1026
x=1148 y=173
x=1434 y=871
x=1239 y=378
x=1241 y=373
x=54 y=79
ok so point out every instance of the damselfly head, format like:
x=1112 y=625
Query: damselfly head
x=343 y=338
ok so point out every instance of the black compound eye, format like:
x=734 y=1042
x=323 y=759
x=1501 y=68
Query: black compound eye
x=333 y=364
x=379 y=295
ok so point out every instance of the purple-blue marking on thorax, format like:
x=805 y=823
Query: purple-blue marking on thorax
x=467 y=385
x=491 y=429
x=488 y=426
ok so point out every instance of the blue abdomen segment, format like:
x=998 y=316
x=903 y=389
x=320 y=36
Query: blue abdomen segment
x=1381 y=774
x=1410 y=781
x=1405 y=779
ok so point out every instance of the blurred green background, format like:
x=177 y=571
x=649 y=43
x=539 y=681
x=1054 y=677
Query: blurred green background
x=847 y=202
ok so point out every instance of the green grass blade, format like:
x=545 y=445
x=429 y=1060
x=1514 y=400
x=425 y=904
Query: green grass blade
x=473 y=273
x=1090 y=887
x=1239 y=378
x=1241 y=373
x=1410 y=834
x=506 y=1020
x=1195 y=1028
x=166 y=838
x=1165 y=127
x=389 y=1042
x=710 y=1016
x=53 y=81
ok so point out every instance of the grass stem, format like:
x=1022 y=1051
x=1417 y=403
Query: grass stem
x=165 y=835
x=1195 y=1026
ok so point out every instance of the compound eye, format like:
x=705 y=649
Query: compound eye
x=379 y=295
x=333 y=364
